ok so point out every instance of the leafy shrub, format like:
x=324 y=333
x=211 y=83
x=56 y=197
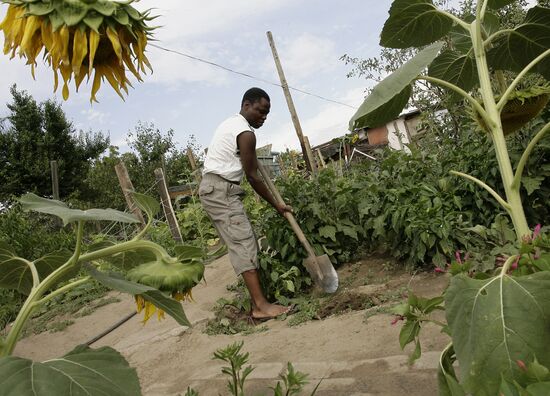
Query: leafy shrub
x=31 y=234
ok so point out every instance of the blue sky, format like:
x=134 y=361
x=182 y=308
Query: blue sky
x=193 y=98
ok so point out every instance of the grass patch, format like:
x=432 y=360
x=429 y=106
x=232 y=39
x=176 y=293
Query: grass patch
x=57 y=314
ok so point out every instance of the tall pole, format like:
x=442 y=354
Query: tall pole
x=167 y=206
x=127 y=189
x=309 y=161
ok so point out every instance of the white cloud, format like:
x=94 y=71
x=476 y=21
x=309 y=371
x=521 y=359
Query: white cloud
x=188 y=19
x=305 y=56
x=94 y=116
x=329 y=122
x=172 y=69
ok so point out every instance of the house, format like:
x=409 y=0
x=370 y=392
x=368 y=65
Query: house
x=395 y=134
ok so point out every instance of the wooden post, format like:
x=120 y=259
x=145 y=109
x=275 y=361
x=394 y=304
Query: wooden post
x=193 y=164
x=127 y=189
x=290 y=103
x=321 y=159
x=167 y=206
x=310 y=155
x=55 y=180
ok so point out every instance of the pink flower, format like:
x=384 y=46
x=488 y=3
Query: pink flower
x=515 y=265
x=457 y=255
x=439 y=270
x=396 y=319
x=536 y=231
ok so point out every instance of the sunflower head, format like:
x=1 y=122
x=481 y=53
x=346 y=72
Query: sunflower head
x=520 y=108
x=80 y=38
x=173 y=278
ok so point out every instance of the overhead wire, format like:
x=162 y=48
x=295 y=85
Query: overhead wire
x=248 y=75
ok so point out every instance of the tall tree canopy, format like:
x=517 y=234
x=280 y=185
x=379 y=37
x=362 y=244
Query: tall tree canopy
x=32 y=135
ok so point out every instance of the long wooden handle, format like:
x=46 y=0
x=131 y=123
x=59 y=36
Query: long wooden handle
x=295 y=227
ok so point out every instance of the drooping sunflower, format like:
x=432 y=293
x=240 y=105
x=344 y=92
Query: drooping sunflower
x=520 y=108
x=80 y=38
x=175 y=279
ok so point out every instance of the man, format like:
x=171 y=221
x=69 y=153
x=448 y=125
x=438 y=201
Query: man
x=232 y=153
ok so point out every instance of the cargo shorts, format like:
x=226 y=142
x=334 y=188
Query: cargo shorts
x=222 y=201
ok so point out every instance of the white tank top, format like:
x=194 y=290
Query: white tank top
x=223 y=154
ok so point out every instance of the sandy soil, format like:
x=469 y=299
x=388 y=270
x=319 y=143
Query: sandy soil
x=351 y=354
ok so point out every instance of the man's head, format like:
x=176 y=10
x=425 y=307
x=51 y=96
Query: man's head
x=255 y=106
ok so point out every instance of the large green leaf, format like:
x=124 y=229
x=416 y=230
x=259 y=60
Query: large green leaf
x=414 y=23
x=156 y=297
x=456 y=68
x=494 y=323
x=83 y=371
x=149 y=205
x=527 y=41
x=15 y=272
x=57 y=208
x=391 y=95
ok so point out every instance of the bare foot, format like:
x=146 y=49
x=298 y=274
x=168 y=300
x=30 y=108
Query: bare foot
x=268 y=311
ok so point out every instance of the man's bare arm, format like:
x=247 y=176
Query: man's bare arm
x=246 y=142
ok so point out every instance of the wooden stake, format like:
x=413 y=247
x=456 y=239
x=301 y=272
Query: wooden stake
x=55 y=180
x=193 y=164
x=321 y=159
x=310 y=155
x=127 y=190
x=167 y=206
x=290 y=103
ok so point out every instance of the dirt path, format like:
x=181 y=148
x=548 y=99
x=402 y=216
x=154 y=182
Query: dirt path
x=353 y=355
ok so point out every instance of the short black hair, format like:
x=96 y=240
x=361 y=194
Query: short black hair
x=255 y=94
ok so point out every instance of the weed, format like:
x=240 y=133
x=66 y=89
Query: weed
x=293 y=381
x=78 y=302
x=60 y=326
x=306 y=310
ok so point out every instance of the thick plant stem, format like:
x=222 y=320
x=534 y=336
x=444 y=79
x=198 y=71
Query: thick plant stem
x=35 y=297
x=495 y=126
x=31 y=303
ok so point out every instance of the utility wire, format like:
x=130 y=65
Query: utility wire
x=249 y=75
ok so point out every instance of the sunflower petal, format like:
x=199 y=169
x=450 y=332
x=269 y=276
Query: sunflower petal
x=95 y=86
x=80 y=49
x=33 y=23
x=94 y=42
x=64 y=37
x=113 y=37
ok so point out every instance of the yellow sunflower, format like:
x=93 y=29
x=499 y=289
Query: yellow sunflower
x=175 y=279
x=80 y=38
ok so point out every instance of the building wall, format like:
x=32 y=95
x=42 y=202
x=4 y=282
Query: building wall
x=398 y=135
x=378 y=135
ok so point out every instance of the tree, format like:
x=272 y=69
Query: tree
x=35 y=134
x=152 y=148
